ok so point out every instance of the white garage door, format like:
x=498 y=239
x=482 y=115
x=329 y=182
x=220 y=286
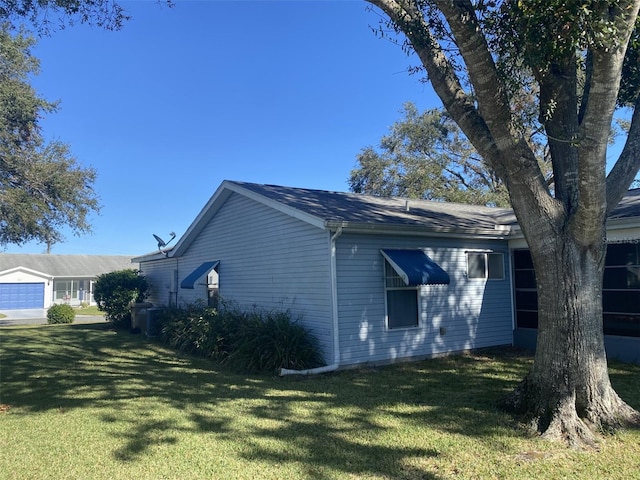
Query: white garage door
x=19 y=296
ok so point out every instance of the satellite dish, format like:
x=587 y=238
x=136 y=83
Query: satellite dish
x=162 y=243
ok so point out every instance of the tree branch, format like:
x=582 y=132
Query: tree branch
x=594 y=130
x=627 y=165
x=407 y=16
x=559 y=115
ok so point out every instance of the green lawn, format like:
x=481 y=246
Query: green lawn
x=84 y=402
x=90 y=310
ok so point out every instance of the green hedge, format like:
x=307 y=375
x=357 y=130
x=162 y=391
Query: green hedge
x=256 y=341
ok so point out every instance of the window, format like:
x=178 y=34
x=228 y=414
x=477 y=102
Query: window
x=65 y=290
x=402 y=300
x=213 y=288
x=620 y=292
x=526 y=291
x=485 y=265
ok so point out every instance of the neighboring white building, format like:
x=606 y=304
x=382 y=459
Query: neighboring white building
x=38 y=281
x=382 y=279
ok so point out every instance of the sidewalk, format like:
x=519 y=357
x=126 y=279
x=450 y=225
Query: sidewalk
x=39 y=317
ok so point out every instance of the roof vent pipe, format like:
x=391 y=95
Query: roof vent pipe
x=406 y=205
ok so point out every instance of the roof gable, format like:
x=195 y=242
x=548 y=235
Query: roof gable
x=25 y=270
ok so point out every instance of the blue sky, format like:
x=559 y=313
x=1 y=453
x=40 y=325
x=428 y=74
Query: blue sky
x=281 y=92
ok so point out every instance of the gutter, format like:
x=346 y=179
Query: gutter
x=498 y=232
x=334 y=317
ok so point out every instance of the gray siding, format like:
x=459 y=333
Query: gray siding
x=473 y=313
x=160 y=275
x=267 y=260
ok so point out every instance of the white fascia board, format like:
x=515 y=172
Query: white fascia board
x=623 y=230
x=618 y=230
x=148 y=257
x=623 y=223
x=413 y=230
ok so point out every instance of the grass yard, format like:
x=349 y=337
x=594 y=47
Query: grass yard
x=84 y=402
x=90 y=310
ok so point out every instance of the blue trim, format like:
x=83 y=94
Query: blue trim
x=191 y=279
x=415 y=267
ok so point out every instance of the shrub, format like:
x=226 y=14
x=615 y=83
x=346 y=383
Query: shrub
x=198 y=330
x=114 y=292
x=256 y=341
x=269 y=341
x=61 y=313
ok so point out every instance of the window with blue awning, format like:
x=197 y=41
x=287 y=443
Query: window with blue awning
x=204 y=268
x=415 y=267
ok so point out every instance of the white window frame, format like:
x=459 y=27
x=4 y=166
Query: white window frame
x=213 y=286
x=393 y=283
x=486 y=265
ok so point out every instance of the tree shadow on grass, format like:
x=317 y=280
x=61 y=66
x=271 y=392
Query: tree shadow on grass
x=349 y=422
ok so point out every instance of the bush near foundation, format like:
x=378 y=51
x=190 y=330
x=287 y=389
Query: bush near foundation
x=115 y=291
x=61 y=313
x=255 y=341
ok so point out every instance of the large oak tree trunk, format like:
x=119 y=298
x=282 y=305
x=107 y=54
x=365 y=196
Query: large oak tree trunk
x=567 y=394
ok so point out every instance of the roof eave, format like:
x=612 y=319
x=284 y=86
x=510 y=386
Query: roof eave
x=500 y=233
x=149 y=256
x=612 y=225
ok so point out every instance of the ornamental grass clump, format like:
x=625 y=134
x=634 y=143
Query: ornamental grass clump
x=269 y=341
x=252 y=342
x=61 y=313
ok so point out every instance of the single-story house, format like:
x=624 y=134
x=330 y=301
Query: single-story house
x=378 y=280
x=38 y=280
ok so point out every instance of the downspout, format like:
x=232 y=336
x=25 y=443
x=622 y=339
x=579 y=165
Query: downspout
x=334 y=317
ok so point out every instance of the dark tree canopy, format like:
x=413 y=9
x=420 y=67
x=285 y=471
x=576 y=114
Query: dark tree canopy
x=50 y=15
x=42 y=186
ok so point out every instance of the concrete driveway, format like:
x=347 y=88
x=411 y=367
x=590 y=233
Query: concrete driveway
x=38 y=316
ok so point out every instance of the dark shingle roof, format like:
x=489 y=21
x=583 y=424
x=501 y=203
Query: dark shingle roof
x=66 y=265
x=356 y=208
x=629 y=206
x=361 y=209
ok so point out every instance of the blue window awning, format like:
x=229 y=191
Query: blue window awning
x=191 y=279
x=415 y=267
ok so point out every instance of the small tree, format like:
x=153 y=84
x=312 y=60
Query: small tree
x=114 y=292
